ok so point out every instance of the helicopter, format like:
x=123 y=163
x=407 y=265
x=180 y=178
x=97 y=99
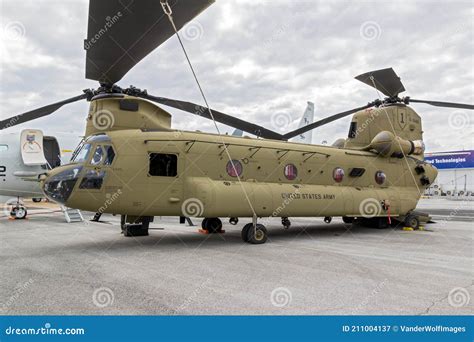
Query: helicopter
x=134 y=164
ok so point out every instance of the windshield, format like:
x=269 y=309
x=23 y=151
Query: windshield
x=83 y=153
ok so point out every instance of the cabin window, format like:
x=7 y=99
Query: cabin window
x=92 y=180
x=338 y=174
x=110 y=155
x=98 y=155
x=164 y=165
x=380 y=177
x=234 y=168
x=353 y=130
x=3 y=148
x=291 y=172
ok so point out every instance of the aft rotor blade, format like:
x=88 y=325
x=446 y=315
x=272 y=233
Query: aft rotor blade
x=123 y=32
x=323 y=122
x=386 y=81
x=218 y=116
x=38 y=113
x=444 y=104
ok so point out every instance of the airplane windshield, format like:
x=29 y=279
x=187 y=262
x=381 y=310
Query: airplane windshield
x=83 y=153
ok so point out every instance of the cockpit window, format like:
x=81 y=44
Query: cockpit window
x=110 y=155
x=98 y=138
x=83 y=154
x=98 y=155
x=92 y=180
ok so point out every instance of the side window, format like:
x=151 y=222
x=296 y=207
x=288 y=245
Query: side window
x=98 y=155
x=353 y=130
x=165 y=165
x=110 y=155
x=3 y=147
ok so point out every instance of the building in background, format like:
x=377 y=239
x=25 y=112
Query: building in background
x=456 y=173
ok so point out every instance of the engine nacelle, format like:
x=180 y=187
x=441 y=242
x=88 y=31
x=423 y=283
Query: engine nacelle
x=387 y=144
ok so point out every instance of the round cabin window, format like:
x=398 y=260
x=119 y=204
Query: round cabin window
x=338 y=174
x=291 y=172
x=380 y=177
x=234 y=168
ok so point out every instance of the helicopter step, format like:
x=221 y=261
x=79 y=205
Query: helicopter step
x=72 y=215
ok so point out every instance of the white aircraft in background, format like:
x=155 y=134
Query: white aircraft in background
x=308 y=118
x=24 y=156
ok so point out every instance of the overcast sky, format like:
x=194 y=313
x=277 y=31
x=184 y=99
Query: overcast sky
x=258 y=60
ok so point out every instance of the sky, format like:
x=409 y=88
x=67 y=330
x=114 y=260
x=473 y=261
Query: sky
x=258 y=60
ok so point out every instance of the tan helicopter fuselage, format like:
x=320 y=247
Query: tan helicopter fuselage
x=281 y=179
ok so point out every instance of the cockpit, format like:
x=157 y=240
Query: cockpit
x=88 y=165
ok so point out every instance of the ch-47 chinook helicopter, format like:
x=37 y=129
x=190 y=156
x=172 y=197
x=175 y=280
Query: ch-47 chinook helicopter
x=134 y=164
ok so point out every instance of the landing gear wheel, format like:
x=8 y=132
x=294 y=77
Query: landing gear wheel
x=412 y=221
x=36 y=199
x=18 y=212
x=212 y=225
x=257 y=236
x=348 y=220
x=245 y=231
x=328 y=219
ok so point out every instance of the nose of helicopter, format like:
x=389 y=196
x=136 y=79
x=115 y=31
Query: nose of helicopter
x=59 y=183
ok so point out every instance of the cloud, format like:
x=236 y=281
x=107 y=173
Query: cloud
x=256 y=58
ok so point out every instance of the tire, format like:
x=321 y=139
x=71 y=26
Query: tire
x=19 y=213
x=412 y=221
x=245 y=231
x=259 y=236
x=348 y=220
x=36 y=199
x=212 y=225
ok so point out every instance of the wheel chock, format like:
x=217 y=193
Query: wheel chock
x=206 y=232
x=408 y=229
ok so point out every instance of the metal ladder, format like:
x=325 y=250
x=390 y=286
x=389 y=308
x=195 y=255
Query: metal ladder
x=72 y=215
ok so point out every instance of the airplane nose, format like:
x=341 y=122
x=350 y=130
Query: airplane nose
x=59 y=185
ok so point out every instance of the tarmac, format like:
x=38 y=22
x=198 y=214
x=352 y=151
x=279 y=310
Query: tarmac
x=52 y=267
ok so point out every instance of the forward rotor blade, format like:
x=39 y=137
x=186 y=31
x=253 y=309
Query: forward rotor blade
x=386 y=81
x=38 y=113
x=218 y=116
x=123 y=32
x=444 y=104
x=323 y=122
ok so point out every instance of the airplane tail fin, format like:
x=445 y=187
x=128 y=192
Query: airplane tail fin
x=308 y=117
